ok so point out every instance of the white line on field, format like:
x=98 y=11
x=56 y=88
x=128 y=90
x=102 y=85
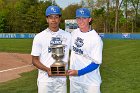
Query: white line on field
x=15 y=68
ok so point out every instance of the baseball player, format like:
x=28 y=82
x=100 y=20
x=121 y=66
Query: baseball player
x=86 y=56
x=42 y=54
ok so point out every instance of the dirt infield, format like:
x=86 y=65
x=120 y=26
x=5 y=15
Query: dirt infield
x=12 y=64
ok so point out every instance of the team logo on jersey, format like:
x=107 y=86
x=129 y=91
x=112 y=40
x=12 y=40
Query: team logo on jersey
x=53 y=9
x=56 y=41
x=79 y=42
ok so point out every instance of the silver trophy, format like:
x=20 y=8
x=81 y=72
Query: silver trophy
x=58 y=68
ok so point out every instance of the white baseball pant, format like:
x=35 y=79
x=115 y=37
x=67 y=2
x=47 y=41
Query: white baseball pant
x=57 y=86
x=82 y=88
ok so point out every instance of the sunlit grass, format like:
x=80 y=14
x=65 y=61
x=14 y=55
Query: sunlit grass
x=119 y=70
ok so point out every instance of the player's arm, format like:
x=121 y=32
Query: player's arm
x=91 y=67
x=97 y=54
x=36 y=51
x=39 y=65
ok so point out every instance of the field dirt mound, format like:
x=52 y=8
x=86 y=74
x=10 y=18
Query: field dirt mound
x=12 y=64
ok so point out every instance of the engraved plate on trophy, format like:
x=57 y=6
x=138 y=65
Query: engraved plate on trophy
x=58 y=68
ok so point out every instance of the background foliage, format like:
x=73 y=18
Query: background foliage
x=109 y=16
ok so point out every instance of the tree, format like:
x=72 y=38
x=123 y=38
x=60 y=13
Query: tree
x=116 y=18
x=107 y=22
x=28 y=16
x=2 y=23
x=135 y=4
x=2 y=4
x=2 y=18
x=125 y=12
x=68 y=13
x=99 y=19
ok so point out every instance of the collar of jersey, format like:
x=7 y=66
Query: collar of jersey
x=50 y=31
x=85 y=32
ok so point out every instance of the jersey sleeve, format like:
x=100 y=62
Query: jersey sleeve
x=97 y=51
x=67 y=49
x=36 y=47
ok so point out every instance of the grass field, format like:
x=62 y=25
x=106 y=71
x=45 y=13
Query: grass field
x=15 y=45
x=120 y=69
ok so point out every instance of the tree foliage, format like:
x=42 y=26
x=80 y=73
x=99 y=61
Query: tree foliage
x=23 y=16
x=28 y=16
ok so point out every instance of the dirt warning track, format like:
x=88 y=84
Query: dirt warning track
x=12 y=64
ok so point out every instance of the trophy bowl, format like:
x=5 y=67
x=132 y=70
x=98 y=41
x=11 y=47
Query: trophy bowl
x=58 y=68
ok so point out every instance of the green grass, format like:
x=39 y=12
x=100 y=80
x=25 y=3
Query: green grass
x=16 y=45
x=25 y=84
x=120 y=69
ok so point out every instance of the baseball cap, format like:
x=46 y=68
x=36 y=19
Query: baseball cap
x=53 y=10
x=83 y=12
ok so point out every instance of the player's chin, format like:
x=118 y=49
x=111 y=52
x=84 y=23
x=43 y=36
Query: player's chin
x=81 y=25
x=54 y=25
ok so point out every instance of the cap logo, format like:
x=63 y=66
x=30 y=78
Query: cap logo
x=82 y=12
x=54 y=10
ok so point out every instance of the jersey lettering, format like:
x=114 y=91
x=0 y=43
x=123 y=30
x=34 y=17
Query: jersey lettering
x=78 y=43
x=54 y=41
x=77 y=50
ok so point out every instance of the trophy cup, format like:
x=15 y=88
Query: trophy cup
x=58 y=67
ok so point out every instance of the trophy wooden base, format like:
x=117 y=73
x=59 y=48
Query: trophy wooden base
x=58 y=70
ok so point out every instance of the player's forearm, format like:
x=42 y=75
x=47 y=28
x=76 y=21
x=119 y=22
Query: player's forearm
x=38 y=64
x=91 y=67
x=72 y=72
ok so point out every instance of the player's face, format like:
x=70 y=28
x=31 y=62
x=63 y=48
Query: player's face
x=53 y=21
x=83 y=22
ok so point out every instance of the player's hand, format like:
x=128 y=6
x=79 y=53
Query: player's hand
x=72 y=72
x=48 y=71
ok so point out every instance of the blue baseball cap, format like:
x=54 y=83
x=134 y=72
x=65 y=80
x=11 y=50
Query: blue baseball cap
x=83 y=12
x=53 y=10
